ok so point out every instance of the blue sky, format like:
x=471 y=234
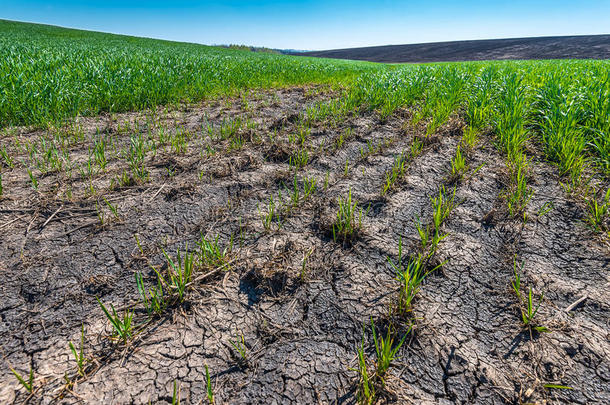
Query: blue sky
x=319 y=24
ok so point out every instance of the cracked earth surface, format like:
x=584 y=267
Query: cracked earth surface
x=301 y=324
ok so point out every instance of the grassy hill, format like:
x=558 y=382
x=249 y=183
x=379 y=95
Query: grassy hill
x=50 y=73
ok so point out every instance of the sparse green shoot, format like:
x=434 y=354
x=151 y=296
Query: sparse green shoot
x=28 y=383
x=79 y=356
x=208 y=385
x=154 y=300
x=176 y=394
x=458 y=165
x=366 y=387
x=211 y=254
x=348 y=220
x=179 y=273
x=386 y=350
x=441 y=208
x=396 y=173
x=122 y=324
x=527 y=307
x=598 y=213
x=240 y=347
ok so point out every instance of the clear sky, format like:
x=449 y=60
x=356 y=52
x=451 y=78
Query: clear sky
x=319 y=24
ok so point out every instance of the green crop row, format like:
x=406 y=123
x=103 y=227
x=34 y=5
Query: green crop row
x=564 y=104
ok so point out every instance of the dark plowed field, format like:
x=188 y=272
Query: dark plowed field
x=297 y=300
x=576 y=47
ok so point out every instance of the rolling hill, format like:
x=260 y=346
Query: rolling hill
x=565 y=47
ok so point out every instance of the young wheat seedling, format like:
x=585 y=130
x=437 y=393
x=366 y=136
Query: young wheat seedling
x=240 y=347
x=271 y=215
x=33 y=180
x=27 y=384
x=309 y=187
x=597 y=212
x=122 y=325
x=113 y=208
x=208 y=384
x=386 y=350
x=410 y=274
x=526 y=304
x=304 y=264
x=458 y=165
x=366 y=387
x=179 y=273
x=100 y=214
x=79 y=356
x=153 y=299
x=176 y=394
x=396 y=173
x=348 y=220
x=211 y=254
x=441 y=208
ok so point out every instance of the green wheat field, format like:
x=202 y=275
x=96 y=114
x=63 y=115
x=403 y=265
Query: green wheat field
x=197 y=224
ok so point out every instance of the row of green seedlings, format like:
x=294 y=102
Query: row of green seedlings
x=567 y=131
x=572 y=121
x=570 y=111
x=512 y=136
x=282 y=205
x=303 y=154
x=329 y=114
x=557 y=115
x=528 y=308
x=333 y=110
x=51 y=155
x=441 y=101
x=400 y=166
x=564 y=144
x=332 y=114
x=237 y=131
x=459 y=163
x=102 y=217
x=170 y=289
x=570 y=118
x=51 y=159
x=410 y=273
x=50 y=152
x=387 y=92
x=348 y=219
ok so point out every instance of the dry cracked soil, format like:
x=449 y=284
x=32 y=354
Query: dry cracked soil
x=302 y=302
